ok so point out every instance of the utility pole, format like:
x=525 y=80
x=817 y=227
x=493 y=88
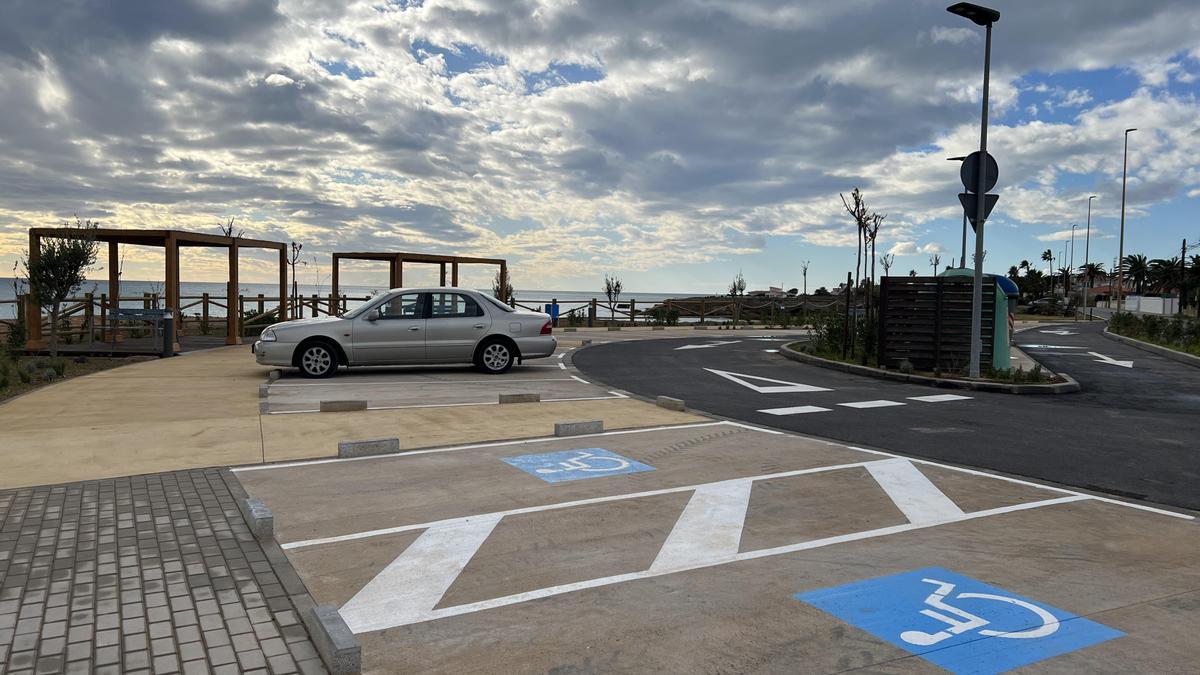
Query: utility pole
x=1121 y=249
x=1087 y=280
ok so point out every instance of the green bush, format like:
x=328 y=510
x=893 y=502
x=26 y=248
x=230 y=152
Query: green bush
x=59 y=367
x=1174 y=332
x=661 y=316
x=24 y=375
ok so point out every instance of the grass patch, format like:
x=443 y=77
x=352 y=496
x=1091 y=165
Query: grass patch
x=28 y=373
x=1178 y=333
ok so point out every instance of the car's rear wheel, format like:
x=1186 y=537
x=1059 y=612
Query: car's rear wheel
x=317 y=359
x=494 y=357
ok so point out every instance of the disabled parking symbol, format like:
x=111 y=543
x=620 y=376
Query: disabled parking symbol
x=558 y=467
x=958 y=623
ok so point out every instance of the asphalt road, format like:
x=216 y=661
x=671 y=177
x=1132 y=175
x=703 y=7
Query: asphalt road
x=1132 y=432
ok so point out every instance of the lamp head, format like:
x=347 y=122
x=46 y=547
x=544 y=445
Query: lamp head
x=981 y=16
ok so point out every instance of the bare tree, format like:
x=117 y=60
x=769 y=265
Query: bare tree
x=887 y=260
x=738 y=285
x=227 y=229
x=857 y=208
x=804 y=273
x=612 y=291
x=935 y=259
x=293 y=259
x=58 y=268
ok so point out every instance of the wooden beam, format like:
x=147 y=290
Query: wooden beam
x=442 y=267
x=454 y=274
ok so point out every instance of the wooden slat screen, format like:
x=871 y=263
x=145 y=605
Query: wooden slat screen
x=927 y=320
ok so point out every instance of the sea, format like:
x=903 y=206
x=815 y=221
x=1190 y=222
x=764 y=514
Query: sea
x=188 y=289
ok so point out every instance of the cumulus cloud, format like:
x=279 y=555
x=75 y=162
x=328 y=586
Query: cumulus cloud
x=563 y=134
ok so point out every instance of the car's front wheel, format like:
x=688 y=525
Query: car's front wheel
x=494 y=357
x=317 y=359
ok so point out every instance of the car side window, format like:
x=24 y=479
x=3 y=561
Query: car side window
x=453 y=305
x=406 y=306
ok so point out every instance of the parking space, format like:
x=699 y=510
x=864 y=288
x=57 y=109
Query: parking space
x=721 y=547
x=423 y=387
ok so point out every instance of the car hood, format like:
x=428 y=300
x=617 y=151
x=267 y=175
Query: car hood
x=298 y=323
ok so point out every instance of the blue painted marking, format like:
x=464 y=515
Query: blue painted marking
x=557 y=467
x=958 y=623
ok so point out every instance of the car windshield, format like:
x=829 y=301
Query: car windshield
x=496 y=302
x=357 y=311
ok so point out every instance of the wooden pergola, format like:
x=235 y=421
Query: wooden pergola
x=172 y=241
x=396 y=265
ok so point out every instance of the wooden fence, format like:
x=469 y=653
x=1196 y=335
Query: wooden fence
x=927 y=321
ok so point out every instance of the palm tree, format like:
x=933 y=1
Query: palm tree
x=1048 y=258
x=1065 y=273
x=1090 y=271
x=1137 y=270
x=1014 y=272
x=1024 y=265
x=1164 y=274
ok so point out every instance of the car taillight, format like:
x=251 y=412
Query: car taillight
x=546 y=328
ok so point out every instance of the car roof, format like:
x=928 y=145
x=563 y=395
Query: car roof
x=433 y=289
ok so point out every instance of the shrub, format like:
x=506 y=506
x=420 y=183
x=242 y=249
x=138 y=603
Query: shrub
x=906 y=366
x=59 y=367
x=24 y=375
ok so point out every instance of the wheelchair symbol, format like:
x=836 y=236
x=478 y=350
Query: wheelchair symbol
x=586 y=461
x=967 y=621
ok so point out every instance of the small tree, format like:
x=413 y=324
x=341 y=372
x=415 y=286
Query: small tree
x=612 y=291
x=887 y=260
x=229 y=229
x=935 y=260
x=738 y=285
x=506 y=294
x=58 y=268
x=293 y=259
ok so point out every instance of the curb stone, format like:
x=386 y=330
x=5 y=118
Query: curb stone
x=1165 y=352
x=1070 y=386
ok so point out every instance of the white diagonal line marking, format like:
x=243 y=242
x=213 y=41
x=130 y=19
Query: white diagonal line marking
x=915 y=496
x=710 y=528
x=408 y=589
x=796 y=410
x=939 y=398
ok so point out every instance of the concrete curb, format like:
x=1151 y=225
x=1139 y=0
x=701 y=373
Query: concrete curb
x=263 y=407
x=258 y=518
x=657 y=328
x=1067 y=387
x=343 y=406
x=263 y=390
x=699 y=327
x=274 y=375
x=671 y=403
x=1165 y=352
x=298 y=593
x=334 y=640
x=568 y=330
x=578 y=428
x=585 y=342
x=378 y=446
x=614 y=328
x=520 y=398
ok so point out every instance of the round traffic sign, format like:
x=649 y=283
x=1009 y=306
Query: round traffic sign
x=969 y=172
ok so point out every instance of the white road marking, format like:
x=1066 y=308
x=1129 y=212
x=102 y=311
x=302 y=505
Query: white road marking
x=796 y=410
x=776 y=387
x=412 y=585
x=918 y=498
x=771 y=351
x=452 y=405
x=425 y=383
x=561 y=365
x=709 y=345
x=579 y=379
x=405 y=617
x=939 y=398
x=1059 y=332
x=709 y=530
x=879 y=403
x=565 y=505
x=1049 y=347
x=1101 y=358
x=496 y=444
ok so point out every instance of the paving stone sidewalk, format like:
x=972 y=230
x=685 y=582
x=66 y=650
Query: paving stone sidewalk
x=155 y=573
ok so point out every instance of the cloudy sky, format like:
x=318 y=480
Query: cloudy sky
x=671 y=142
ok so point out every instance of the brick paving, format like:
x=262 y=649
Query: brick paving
x=143 y=574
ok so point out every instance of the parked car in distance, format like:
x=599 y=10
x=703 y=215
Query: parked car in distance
x=1045 y=306
x=411 y=326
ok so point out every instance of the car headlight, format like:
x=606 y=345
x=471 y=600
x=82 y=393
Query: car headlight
x=268 y=335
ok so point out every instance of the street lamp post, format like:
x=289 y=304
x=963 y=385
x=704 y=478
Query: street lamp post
x=1071 y=262
x=980 y=16
x=1121 y=248
x=1087 y=241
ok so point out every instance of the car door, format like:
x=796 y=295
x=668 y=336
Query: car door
x=456 y=323
x=396 y=336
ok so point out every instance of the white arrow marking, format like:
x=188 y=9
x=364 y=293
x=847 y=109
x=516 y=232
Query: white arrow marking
x=711 y=344
x=1100 y=358
x=1058 y=332
x=1049 y=347
x=777 y=386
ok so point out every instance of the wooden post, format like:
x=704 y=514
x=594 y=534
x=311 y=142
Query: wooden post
x=34 y=338
x=114 y=285
x=172 y=304
x=592 y=313
x=89 y=316
x=333 y=289
x=103 y=317
x=233 y=303
x=504 y=281
x=334 y=310
x=261 y=306
x=397 y=272
x=633 y=312
x=145 y=301
x=442 y=273
x=204 y=310
x=701 y=310
x=284 y=310
x=316 y=306
x=454 y=274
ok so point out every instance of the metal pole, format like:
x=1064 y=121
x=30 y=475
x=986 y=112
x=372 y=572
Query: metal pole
x=962 y=262
x=977 y=292
x=1121 y=248
x=1071 y=263
x=1087 y=242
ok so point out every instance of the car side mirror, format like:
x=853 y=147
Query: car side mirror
x=373 y=315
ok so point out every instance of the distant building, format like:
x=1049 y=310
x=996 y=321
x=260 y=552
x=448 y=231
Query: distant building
x=771 y=292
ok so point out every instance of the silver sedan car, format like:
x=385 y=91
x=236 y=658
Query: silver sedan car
x=408 y=326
